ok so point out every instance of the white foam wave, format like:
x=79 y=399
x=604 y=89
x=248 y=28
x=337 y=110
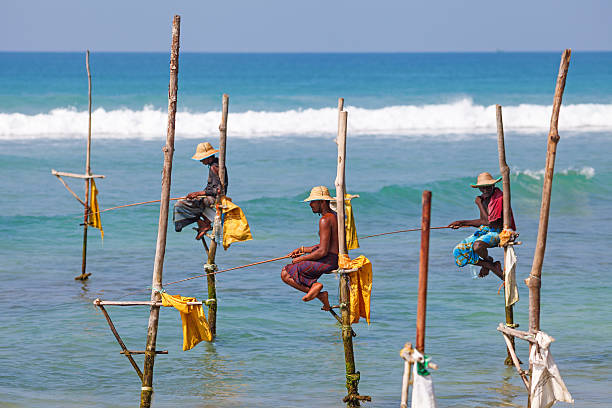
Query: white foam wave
x=459 y=118
x=587 y=172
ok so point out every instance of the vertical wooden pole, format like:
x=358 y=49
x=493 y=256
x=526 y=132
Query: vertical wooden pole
x=212 y=251
x=352 y=377
x=160 y=250
x=534 y=280
x=505 y=172
x=423 y=270
x=83 y=275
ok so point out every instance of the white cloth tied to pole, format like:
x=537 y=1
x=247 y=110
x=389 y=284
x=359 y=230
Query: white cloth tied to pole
x=422 y=385
x=422 y=390
x=510 y=288
x=547 y=386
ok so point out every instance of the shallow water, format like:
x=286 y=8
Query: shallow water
x=273 y=350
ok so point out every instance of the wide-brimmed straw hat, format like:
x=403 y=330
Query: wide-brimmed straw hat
x=203 y=151
x=319 y=193
x=484 y=180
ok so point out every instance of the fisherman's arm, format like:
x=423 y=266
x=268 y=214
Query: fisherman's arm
x=483 y=220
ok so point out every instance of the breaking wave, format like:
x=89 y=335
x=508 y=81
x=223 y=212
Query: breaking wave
x=459 y=118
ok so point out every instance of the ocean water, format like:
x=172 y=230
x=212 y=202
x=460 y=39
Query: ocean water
x=416 y=122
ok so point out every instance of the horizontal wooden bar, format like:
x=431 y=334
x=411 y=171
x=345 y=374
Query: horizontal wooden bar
x=99 y=302
x=74 y=175
x=530 y=337
x=142 y=352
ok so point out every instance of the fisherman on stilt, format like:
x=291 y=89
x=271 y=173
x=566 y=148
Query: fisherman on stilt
x=198 y=206
x=474 y=249
x=309 y=263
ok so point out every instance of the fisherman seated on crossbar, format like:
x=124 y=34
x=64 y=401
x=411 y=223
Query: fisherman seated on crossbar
x=198 y=206
x=309 y=263
x=474 y=249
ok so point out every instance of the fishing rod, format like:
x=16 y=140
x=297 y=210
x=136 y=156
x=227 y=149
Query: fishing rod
x=286 y=256
x=229 y=269
x=397 y=232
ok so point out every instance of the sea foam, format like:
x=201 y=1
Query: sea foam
x=458 y=118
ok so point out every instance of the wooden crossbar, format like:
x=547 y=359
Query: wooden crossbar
x=74 y=175
x=99 y=302
x=527 y=336
x=142 y=352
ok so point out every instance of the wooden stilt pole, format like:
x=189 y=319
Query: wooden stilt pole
x=505 y=172
x=160 y=250
x=423 y=270
x=83 y=275
x=534 y=280
x=352 y=376
x=212 y=251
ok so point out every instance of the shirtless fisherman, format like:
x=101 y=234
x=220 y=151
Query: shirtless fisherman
x=193 y=207
x=309 y=263
x=473 y=249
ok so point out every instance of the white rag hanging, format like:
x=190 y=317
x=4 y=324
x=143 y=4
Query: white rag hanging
x=547 y=386
x=422 y=387
x=510 y=288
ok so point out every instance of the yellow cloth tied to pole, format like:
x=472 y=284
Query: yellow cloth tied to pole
x=352 y=242
x=93 y=218
x=195 y=325
x=361 y=285
x=235 y=225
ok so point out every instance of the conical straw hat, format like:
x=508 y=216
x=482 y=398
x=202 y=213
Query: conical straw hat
x=484 y=180
x=203 y=151
x=319 y=193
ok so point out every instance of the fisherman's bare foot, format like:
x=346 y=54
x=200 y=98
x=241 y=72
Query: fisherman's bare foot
x=324 y=298
x=497 y=269
x=484 y=271
x=314 y=291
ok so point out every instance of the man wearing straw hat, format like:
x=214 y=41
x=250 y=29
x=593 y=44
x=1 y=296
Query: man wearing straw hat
x=198 y=205
x=309 y=263
x=474 y=249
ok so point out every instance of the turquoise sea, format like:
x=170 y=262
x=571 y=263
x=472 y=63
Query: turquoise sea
x=416 y=122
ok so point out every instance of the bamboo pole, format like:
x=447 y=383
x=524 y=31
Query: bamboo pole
x=212 y=251
x=352 y=376
x=534 y=280
x=423 y=270
x=160 y=250
x=505 y=172
x=83 y=275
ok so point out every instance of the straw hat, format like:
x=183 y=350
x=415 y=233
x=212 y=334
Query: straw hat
x=484 y=180
x=203 y=151
x=319 y=193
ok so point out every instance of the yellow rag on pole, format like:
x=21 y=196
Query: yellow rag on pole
x=352 y=242
x=235 y=225
x=361 y=285
x=195 y=325
x=93 y=219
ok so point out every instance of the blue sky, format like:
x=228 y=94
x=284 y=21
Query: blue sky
x=308 y=25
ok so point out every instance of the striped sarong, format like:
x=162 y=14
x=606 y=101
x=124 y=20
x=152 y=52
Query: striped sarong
x=307 y=272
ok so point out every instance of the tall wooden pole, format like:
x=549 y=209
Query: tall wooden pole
x=423 y=270
x=534 y=281
x=505 y=172
x=212 y=251
x=83 y=275
x=352 y=377
x=160 y=250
